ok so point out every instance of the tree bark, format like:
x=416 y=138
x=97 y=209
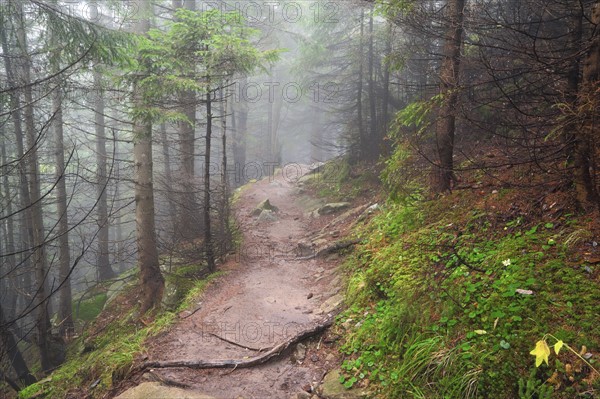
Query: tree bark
x=208 y=239
x=385 y=101
x=47 y=358
x=362 y=139
x=316 y=136
x=239 y=134
x=188 y=222
x=224 y=211
x=449 y=79
x=14 y=354
x=168 y=184
x=151 y=279
x=105 y=271
x=65 y=311
x=587 y=136
x=9 y=265
x=25 y=224
x=373 y=146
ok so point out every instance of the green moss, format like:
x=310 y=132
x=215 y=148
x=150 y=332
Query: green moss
x=108 y=356
x=450 y=302
x=88 y=309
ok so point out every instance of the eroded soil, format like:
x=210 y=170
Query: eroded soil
x=265 y=298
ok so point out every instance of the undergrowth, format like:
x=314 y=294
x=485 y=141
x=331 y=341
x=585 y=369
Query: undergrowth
x=105 y=355
x=448 y=297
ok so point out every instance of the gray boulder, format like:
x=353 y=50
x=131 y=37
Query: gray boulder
x=333 y=207
x=264 y=206
x=155 y=390
x=332 y=388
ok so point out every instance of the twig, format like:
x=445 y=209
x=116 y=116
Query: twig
x=192 y=313
x=236 y=344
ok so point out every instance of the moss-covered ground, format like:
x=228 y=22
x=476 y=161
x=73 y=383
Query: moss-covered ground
x=104 y=354
x=448 y=297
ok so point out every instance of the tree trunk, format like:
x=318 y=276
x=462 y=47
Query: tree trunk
x=362 y=139
x=14 y=354
x=168 y=184
x=47 y=358
x=449 y=77
x=118 y=225
x=373 y=146
x=316 y=137
x=187 y=228
x=151 y=279
x=208 y=244
x=385 y=101
x=65 y=311
x=588 y=135
x=9 y=265
x=274 y=116
x=105 y=271
x=25 y=229
x=188 y=222
x=224 y=214
x=239 y=136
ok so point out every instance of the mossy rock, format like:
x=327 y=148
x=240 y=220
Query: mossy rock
x=310 y=178
x=155 y=390
x=265 y=205
x=333 y=207
x=332 y=388
x=267 y=216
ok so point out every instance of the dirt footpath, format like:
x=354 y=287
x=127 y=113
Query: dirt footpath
x=265 y=298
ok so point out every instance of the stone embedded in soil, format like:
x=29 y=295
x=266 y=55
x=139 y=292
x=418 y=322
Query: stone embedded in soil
x=332 y=303
x=301 y=395
x=368 y=212
x=264 y=205
x=155 y=390
x=306 y=179
x=305 y=249
x=332 y=388
x=333 y=207
x=267 y=216
x=300 y=352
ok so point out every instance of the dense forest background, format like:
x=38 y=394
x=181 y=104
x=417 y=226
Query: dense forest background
x=125 y=127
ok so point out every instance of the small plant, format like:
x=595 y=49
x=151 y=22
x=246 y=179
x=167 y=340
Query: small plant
x=532 y=387
x=542 y=351
x=542 y=354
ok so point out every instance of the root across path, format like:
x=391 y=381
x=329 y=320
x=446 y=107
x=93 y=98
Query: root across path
x=242 y=363
x=257 y=332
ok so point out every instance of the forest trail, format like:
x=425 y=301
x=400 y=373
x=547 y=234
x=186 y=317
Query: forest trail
x=265 y=298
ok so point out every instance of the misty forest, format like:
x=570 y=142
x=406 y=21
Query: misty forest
x=303 y=199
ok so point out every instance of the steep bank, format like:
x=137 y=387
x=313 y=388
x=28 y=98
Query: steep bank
x=448 y=296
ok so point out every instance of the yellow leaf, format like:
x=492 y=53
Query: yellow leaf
x=558 y=346
x=541 y=353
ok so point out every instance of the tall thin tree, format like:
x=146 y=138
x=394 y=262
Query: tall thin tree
x=151 y=279
x=444 y=176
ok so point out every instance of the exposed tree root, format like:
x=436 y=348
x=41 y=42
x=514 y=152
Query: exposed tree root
x=166 y=381
x=336 y=246
x=244 y=363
